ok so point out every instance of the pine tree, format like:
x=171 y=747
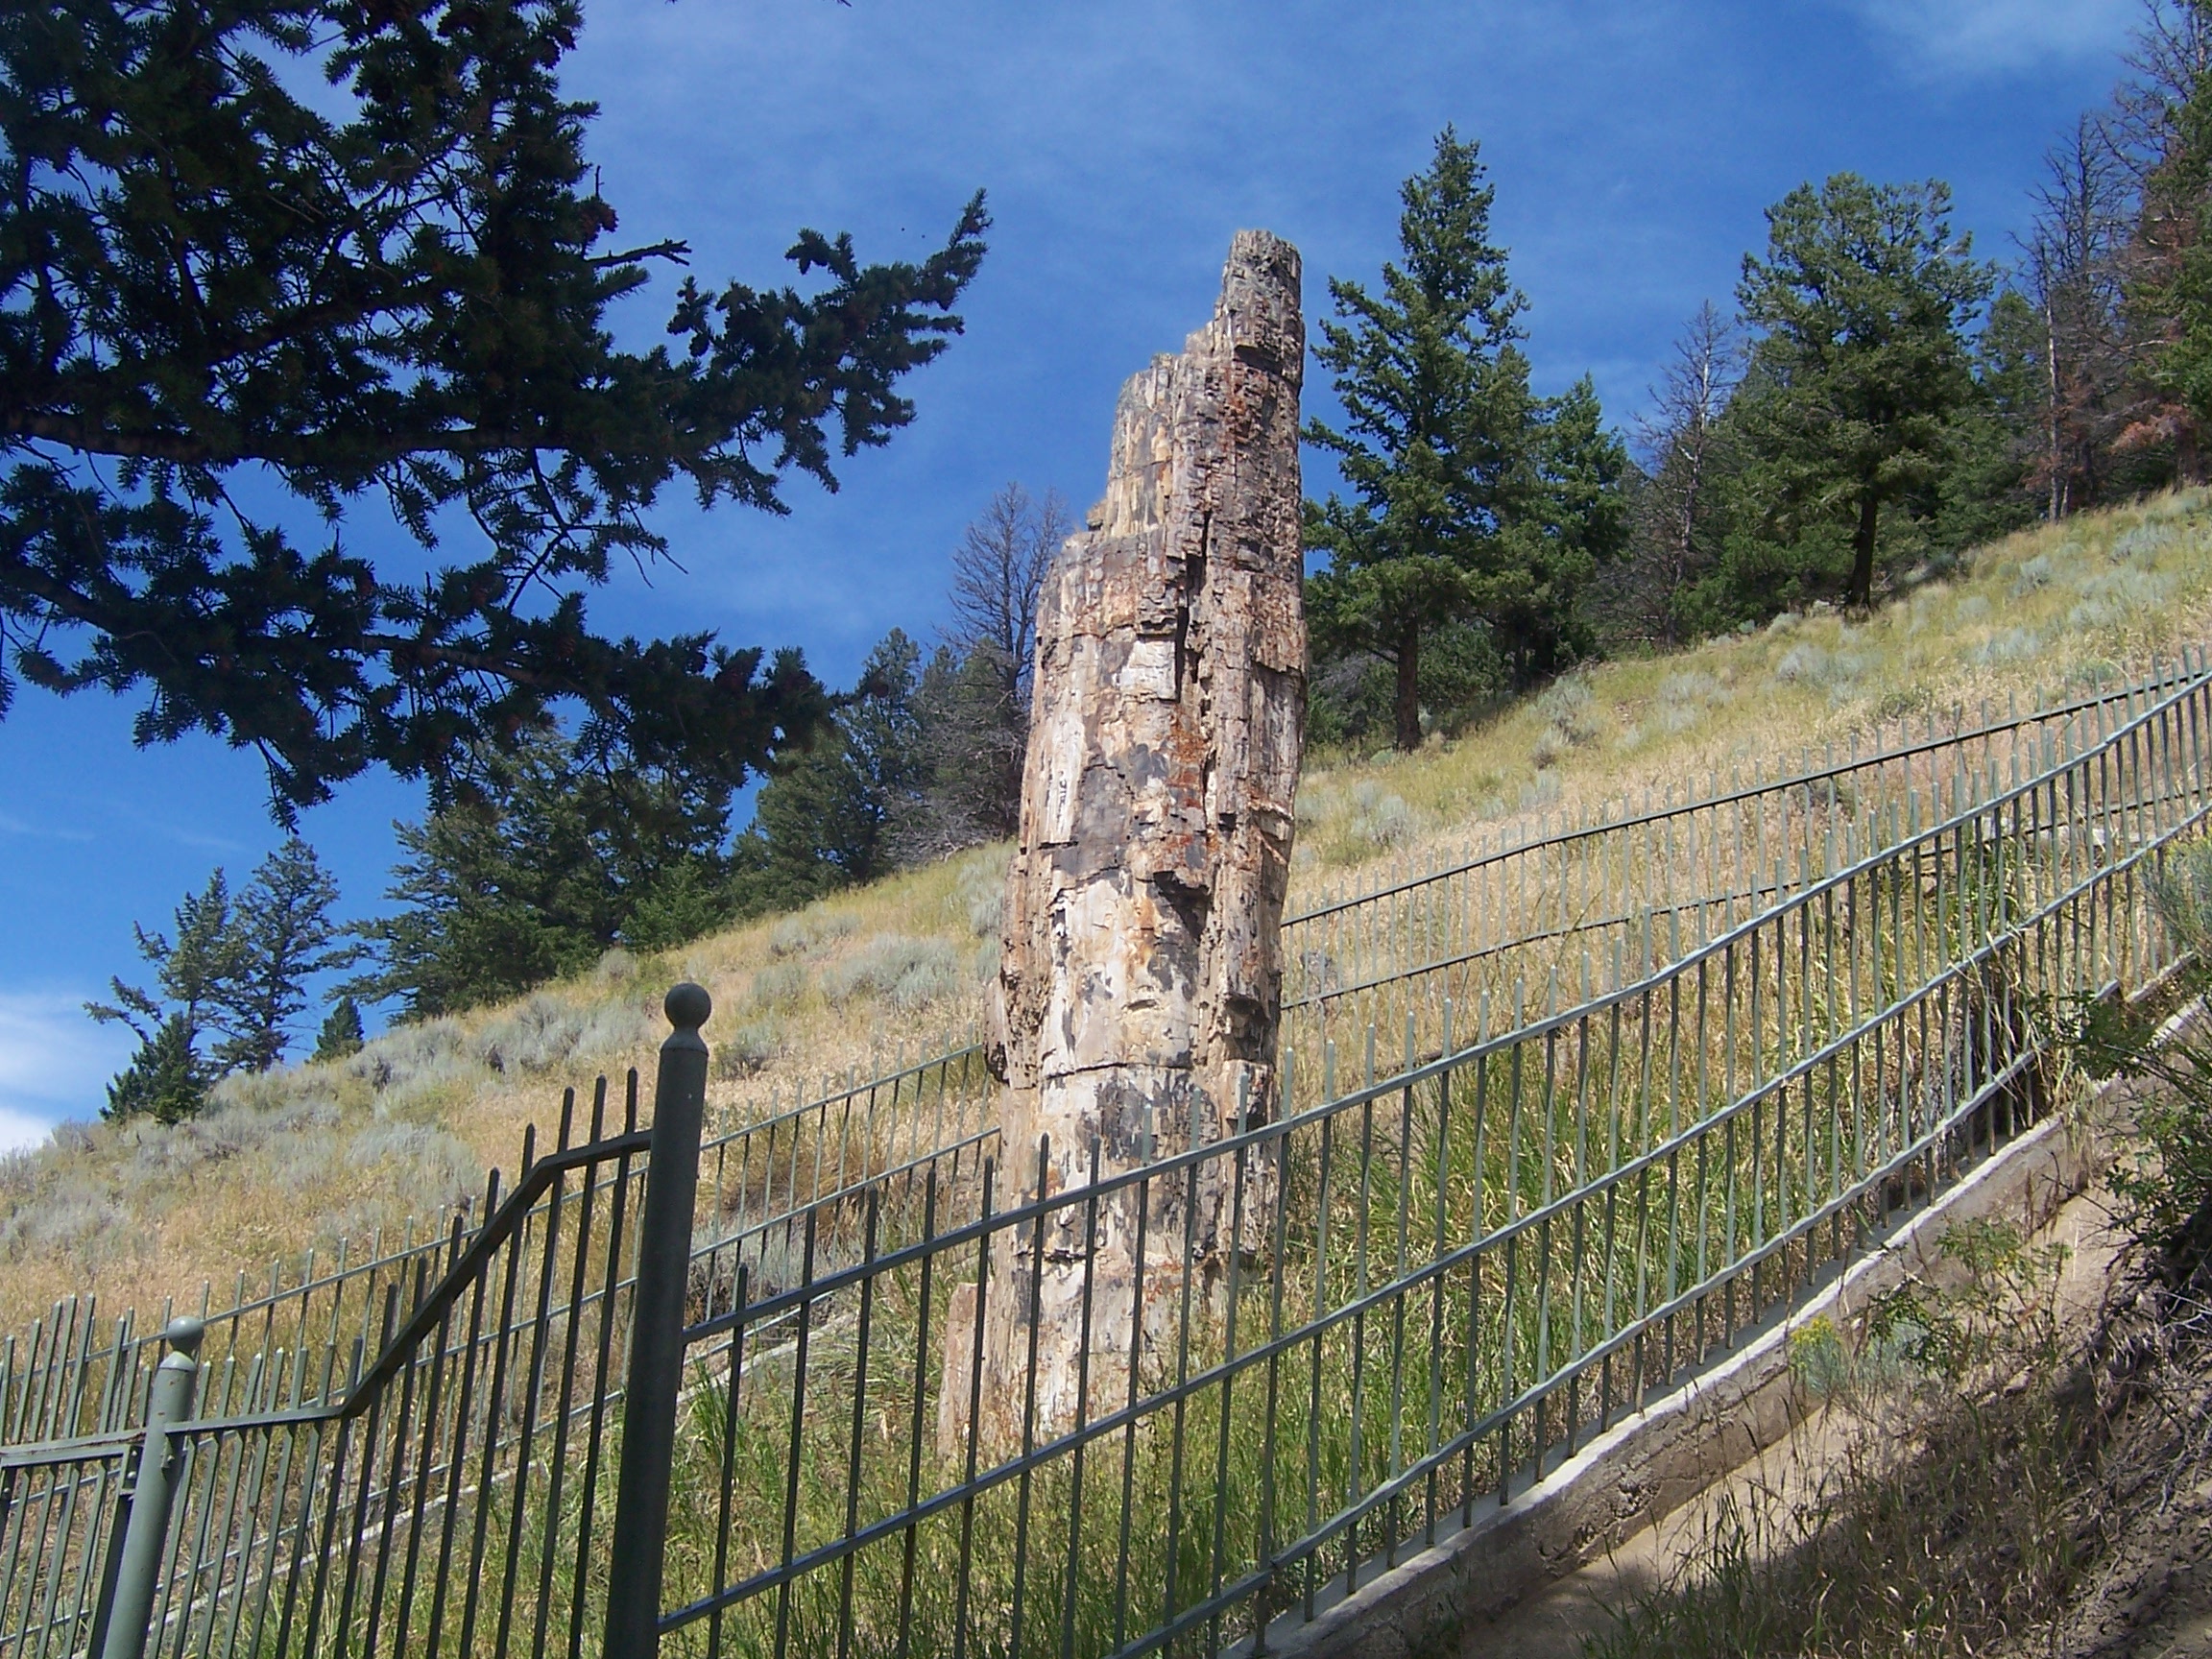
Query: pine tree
x=188 y=972
x=165 y=1080
x=233 y=976
x=1861 y=372
x=282 y=934
x=1472 y=497
x=342 y=1032
x=829 y=817
x=356 y=255
x=549 y=855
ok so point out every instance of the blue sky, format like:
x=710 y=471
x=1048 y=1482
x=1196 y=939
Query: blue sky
x=1633 y=143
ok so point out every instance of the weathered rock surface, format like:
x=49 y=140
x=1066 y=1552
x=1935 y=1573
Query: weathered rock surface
x=1140 y=989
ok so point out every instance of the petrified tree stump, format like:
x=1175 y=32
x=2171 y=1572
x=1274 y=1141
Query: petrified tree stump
x=1140 y=987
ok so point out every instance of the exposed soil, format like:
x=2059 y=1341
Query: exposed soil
x=2141 y=1518
x=2147 y=1520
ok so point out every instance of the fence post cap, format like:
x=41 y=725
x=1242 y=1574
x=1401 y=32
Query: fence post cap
x=688 y=1006
x=183 y=1333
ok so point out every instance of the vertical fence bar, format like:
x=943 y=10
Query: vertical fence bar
x=657 y=1333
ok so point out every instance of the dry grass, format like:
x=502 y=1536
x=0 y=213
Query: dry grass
x=2040 y=613
x=301 y=1158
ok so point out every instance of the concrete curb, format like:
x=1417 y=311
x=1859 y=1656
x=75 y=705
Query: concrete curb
x=1671 y=1449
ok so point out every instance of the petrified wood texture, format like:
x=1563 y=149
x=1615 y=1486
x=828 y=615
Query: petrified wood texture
x=1140 y=987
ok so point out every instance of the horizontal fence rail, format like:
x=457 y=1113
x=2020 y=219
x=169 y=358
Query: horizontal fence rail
x=1594 y=1144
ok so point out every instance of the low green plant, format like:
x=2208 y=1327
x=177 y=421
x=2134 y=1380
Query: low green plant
x=2163 y=1181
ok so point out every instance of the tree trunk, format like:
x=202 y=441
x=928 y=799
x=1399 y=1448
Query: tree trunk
x=1140 y=989
x=2050 y=367
x=1405 y=707
x=1862 y=595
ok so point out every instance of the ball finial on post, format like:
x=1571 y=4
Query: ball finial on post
x=688 y=1006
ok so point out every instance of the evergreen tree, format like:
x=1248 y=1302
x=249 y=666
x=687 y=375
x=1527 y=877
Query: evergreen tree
x=1575 y=520
x=189 y=970
x=1471 y=498
x=829 y=816
x=1858 y=380
x=283 y=934
x=546 y=858
x=232 y=977
x=1993 y=483
x=357 y=253
x=165 y=1080
x=342 y=1032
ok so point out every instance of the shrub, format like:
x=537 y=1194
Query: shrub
x=778 y=985
x=404 y=1056
x=2164 y=1183
x=809 y=929
x=749 y=1049
x=1379 y=821
x=545 y=1031
x=2010 y=645
x=1834 y=672
x=1569 y=710
x=979 y=893
x=2110 y=597
x=1685 y=696
x=2145 y=543
x=905 y=973
x=2039 y=571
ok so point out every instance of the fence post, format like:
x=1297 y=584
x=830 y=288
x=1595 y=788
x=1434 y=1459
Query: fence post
x=153 y=1495
x=657 y=1333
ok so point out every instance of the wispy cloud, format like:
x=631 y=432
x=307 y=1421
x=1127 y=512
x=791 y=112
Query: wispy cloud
x=11 y=825
x=53 y=1063
x=1998 y=37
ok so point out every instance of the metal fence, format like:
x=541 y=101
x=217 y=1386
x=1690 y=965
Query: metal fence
x=1609 y=896
x=1473 y=1263
x=1478 y=1242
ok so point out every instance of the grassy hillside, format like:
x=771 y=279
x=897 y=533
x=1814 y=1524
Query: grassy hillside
x=314 y=1154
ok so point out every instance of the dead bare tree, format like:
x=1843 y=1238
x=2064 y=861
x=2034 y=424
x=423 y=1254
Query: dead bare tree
x=996 y=572
x=975 y=698
x=1682 y=438
x=2084 y=208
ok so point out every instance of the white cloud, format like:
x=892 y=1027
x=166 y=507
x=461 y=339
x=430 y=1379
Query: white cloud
x=1995 y=37
x=54 y=1063
x=11 y=825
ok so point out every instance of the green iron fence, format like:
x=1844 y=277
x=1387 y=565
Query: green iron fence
x=569 y=1428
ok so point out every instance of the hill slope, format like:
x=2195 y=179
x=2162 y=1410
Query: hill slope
x=309 y=1156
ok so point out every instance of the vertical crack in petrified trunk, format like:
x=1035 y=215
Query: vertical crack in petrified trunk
x=1139 y=990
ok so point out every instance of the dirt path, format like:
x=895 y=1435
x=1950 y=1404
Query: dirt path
x=1559 y=1622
